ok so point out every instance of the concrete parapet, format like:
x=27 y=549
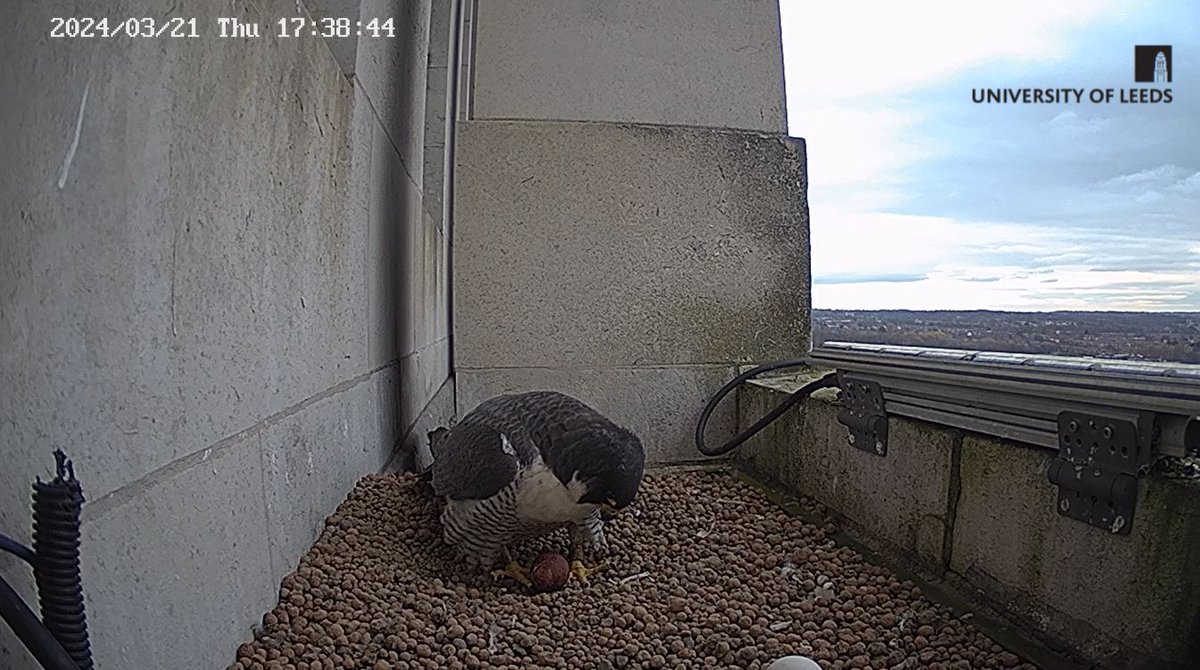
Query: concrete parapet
x=978 y=514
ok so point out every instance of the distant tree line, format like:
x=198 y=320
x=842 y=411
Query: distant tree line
x=1171 y=337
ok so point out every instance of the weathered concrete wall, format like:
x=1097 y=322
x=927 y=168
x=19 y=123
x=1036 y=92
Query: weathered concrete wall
x=630 y=222
x=632 y=265
x=1119 y=597
x=896 y=499
x=980 y=514
x=221 y=295
x=672 y=62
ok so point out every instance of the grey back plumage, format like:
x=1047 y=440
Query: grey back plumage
x=470 y=462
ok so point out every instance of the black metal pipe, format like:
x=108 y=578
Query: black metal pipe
x=32 y=632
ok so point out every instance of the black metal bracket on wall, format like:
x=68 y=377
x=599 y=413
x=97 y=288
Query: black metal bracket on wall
x=863 y=413
x=1096 y=470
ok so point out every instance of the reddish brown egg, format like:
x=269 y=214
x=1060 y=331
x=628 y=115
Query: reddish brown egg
x=550 y=572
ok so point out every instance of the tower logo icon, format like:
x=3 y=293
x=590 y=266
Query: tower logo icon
x=1152 y=64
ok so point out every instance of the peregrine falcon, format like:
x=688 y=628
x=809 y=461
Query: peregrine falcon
x=522 y=465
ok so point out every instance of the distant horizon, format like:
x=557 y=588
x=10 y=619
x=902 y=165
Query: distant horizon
x=1185 y=312
x=920 y=198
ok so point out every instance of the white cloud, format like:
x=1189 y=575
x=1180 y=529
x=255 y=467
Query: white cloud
x=1142 y=291
x=838 y=51
x=1161 y=175
x=1189 y=185
x=1072 y=124
x=858 y=146
x=867 y=243
x=957 y=261
x=862 y=92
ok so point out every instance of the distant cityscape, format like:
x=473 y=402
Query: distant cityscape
x=1149 y=336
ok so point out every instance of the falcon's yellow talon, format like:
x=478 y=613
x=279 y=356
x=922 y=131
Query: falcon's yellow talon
x=581 y=571
x=515 y=571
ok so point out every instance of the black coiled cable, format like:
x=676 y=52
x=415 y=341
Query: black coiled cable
x=56 y=506
x=828 y=381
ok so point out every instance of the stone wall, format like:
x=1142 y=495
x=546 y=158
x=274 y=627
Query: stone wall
x=631 y=221
x=224 y=295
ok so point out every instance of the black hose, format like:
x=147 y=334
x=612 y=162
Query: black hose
x=17 y=549
x=828 y=381
x=31 y=632
x=56 y=506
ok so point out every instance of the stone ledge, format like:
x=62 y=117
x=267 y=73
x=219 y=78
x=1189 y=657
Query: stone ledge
x=1121 y=601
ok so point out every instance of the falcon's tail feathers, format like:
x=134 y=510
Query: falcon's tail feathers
x=435 y=437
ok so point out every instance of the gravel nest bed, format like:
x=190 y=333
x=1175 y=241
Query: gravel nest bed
x=706 y=573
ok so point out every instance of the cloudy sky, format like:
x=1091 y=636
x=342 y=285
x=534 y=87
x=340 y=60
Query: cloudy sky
x=922 y=199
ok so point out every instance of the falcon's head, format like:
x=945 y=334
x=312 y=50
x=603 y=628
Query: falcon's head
x=608 y=461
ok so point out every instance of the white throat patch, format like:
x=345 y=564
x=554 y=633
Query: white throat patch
x=541 y=497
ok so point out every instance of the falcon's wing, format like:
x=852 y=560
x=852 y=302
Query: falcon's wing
x=539 y=422
x=472 y=463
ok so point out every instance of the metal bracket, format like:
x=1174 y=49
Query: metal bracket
x=1096 y=470
x=863 y=413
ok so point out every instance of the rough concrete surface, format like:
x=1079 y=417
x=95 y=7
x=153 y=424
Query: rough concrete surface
x=901 y=499
x=590 y=245
x=345 y=49
x=397 y=202
x=392 y=71
x=408 y=282
x=200 y=272
x=308 y=459
x=434 y=165
x=1124 y=599
x=661 y=405
x=424 y=372
x=672 y=62
x=192 y=539
x=173 y=291
x=146 y=582
x=441 y=13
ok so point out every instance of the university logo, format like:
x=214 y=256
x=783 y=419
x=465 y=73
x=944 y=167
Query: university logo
x=1152 y=64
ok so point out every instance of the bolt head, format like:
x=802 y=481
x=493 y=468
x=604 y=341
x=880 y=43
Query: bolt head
x=851 y=439
x=1064 y=504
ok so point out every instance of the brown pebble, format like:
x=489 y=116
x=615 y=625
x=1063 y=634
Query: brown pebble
x=734 y=585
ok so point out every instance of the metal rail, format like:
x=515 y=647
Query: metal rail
x=1108 y=421
x=1019 y=396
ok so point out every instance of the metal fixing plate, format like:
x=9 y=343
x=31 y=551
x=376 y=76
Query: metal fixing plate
x=863 y=413
x=1096 y=470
